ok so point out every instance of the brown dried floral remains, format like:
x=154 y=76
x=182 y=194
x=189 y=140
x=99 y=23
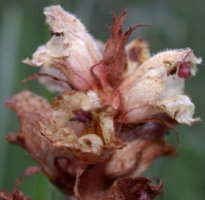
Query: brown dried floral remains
x=114 y=107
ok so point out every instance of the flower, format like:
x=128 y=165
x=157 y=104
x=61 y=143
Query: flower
x=71 y=50
x=155 y=84
x=115 y=105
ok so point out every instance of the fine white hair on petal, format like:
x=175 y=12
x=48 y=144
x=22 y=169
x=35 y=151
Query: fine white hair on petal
x=94 y=98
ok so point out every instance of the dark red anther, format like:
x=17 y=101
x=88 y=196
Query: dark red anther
x=184 y=70
x=84 y=117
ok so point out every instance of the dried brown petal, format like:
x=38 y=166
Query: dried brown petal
x=136 y=157
x=114 y=56
x=31 y=109
x=90 y=182
x=114 y=67
x=70 y=131
x=151 y=151
x=154 y=128
x=133 y=189
x=111 y=70
x=137 y=53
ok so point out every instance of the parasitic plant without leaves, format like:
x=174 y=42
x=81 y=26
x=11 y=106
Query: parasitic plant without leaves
x=114 y=107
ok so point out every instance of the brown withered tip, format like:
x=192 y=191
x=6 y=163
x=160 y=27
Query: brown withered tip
x=114 y=56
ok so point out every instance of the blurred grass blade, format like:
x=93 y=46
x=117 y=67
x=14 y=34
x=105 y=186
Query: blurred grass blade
x=85 y=10
x=9 y=47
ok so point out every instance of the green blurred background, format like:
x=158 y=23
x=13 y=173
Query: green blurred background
x=175 y=24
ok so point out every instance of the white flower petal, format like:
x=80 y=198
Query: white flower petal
x=71 y=50
x=179 y=108
x=158 y=80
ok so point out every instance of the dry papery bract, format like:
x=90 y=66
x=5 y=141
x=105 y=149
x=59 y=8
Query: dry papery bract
x=114 y=107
